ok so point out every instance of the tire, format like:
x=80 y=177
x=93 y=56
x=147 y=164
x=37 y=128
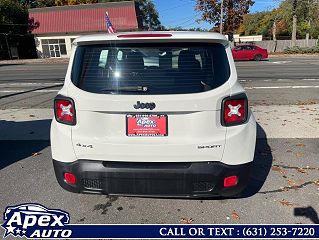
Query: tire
x=257 y=57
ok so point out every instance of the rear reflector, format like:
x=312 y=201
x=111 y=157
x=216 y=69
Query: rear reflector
x=69 y=178
x=145 y=35
x=234 y=110
x=64 y=111
x=230 y=181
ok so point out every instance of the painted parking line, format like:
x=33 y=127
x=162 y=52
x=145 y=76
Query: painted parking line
x=282 y=87
x=280 y=80
x=280 y=62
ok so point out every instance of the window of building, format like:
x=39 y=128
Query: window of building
x=53 y=47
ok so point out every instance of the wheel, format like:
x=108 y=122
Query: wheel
x=257 y=57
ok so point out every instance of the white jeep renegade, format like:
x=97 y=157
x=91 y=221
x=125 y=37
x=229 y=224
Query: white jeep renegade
x=153 y=113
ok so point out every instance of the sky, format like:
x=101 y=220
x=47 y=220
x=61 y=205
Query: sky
x=181 y=13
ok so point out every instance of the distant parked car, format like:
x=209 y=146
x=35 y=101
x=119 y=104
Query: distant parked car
x=249 y=52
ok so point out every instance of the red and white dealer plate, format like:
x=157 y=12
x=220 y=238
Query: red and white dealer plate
x=146 y=125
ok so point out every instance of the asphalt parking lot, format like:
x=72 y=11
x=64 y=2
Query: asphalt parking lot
x=284 y=186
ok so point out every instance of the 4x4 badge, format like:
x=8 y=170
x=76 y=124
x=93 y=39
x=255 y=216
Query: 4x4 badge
x=140 y=105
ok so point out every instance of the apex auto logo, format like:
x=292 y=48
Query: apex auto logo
x=146 y=122
x=35 y=221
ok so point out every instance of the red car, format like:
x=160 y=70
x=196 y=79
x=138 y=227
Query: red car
x=249 y=52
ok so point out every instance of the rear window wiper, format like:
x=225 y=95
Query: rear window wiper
x=127 y=89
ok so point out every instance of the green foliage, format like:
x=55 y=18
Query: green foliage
x=148 y=15
x=262 y=22
x=303 y=28
x=305 y=12
x=44 y=3
x=256 y=24
x=301 y=50
x=73 y=2
x=13 y=17
x=37 y=3
x=198 y=29
x=233 y=12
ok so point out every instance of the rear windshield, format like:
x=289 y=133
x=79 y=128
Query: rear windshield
x=150 y=68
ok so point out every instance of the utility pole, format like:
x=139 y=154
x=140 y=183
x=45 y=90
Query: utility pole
x=274 y=30
x=221 y=17
x=307 y=34
x=294 y=24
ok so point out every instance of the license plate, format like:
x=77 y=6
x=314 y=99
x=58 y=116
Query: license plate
x=146 y=125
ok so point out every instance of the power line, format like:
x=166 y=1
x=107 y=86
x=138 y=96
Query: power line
x=182 y=20
x=188 y=24
x=183 y=23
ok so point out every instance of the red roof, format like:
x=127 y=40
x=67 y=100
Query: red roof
x=84 y=18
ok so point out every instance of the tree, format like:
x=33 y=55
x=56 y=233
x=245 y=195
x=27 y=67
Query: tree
x=197 y=29
x=28 y=3
x=255 y=24
x=233 y=11
x=15 y=26
x=147 y=15
x=73 y=2
x=294 y=23
x=307 y=13
x=13 y=17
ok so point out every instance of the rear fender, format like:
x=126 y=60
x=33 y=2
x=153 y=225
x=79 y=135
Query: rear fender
x=240 y=143
x=61 y=142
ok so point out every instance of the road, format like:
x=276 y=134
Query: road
x=269 y=81
x=284 y=186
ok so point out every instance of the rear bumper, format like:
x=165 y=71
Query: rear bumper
x=188 y=179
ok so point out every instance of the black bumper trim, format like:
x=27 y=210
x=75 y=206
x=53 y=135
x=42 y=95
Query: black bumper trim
x=187 y=179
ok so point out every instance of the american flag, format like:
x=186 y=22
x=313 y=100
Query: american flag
x=108 y=24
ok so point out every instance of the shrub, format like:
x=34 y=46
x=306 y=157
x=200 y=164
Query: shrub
x=301 y=50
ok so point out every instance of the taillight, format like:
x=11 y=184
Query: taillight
x=69 y=178
x=230 y=181
x=145 y=35
x=234 y=110
x=64 y=111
